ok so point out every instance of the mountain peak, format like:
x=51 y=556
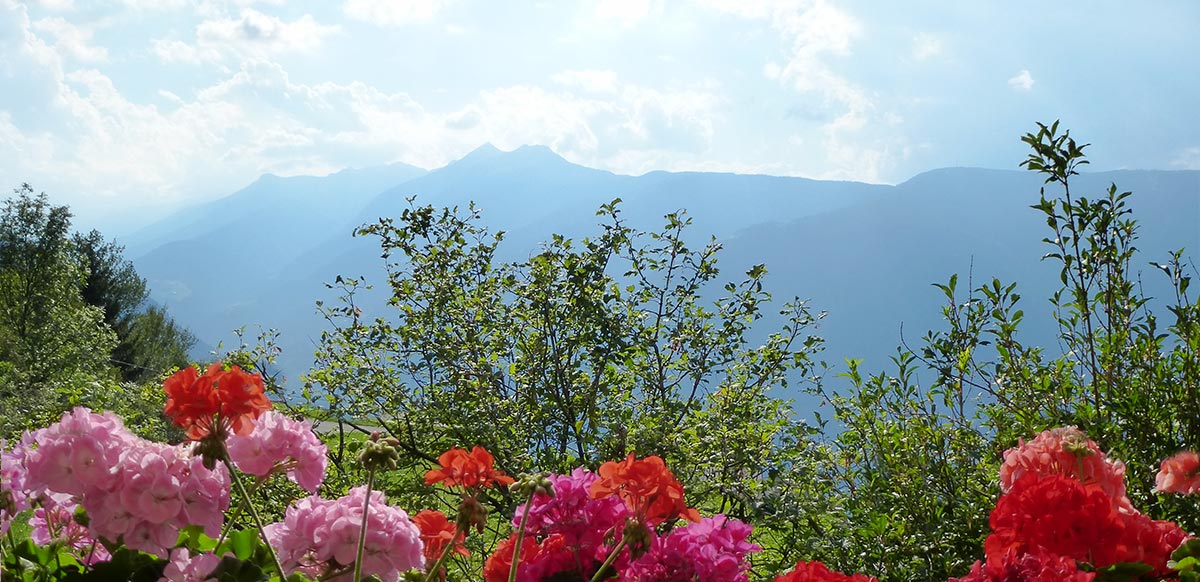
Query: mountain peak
x=484 y=151
x=524 y=157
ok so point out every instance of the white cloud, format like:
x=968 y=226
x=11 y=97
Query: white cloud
x=71 y=40
x=926 y=46
x=57 y=5
x=816 y=33
x=155 y=4
x=743 y=8
x=1022 y=81
x=626 y=12
x=176 y=51
x=394 y=12
x=252 y=34
x=1187 y=159
x=179 y=146
x=590 y=80
x=268 y=33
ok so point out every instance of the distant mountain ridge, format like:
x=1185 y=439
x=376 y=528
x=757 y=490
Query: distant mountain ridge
x=866 y=253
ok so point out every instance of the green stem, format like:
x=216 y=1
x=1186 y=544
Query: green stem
x=254 y=513
x=237 y=512
x=442 y=558
x=362 y=530
x=512 y=570
x=12 y=544
x=91 y=553
x=612 y=557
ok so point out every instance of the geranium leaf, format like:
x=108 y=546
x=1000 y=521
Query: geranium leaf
x=234 y=570
x=1123 y=572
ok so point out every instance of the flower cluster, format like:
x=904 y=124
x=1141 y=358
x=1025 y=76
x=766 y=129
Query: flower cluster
x=436 y=532
x=713 y=549
x=1066 y=451
x=1179 y=474
x=183 y=567
x=1063 y=504
x=573 y=513
x=458 y=468
x=279 y=444
x=14 y=497
x=54 y=522
x=818 y=572
x=215 y=402
x=590 y=518
x=571 y=522
x=319 y=537
x=647 y=487
x=133 y=490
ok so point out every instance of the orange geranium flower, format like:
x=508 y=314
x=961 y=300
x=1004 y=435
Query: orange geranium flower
x=470 y=470
x=436 y=532
x=218 y=400
x=647 y=487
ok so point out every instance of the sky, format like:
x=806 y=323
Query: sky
x=127 y=109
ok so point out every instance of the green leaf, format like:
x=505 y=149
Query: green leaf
x=241 y=542
x=234 y=570
x=126 y=564
x=1123 y=572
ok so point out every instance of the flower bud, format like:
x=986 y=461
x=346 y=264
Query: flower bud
x=471 y=513
x=527 y=485
x=379 y=453
x=638 y=538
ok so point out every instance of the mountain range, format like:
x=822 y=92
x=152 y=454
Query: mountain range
x=867 y=254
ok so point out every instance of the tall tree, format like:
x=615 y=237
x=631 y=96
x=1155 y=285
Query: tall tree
x=149 y=340
x=73 y=303
x=48 y=333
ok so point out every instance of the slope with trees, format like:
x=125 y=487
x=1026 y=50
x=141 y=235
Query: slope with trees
x=75 y=323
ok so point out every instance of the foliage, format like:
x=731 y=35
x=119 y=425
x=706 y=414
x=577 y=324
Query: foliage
x=74 y=323
x=48 y=334
x=592 y=349
x=149 y=339
x=911 y=467
x=586 y=351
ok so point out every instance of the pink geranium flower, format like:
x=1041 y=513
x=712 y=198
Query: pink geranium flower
x=280 y=444
x=1179 y=474
x=318 y=536
x=182 y=567
x=1064 y=451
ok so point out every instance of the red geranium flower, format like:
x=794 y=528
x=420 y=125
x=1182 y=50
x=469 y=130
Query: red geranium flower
x=1149 y=541
x=497 y=566
x=436 y=532
x=470 y=470
x=1036 y=566
x=218 y=400
x=818 y=572
x=647 y=487
x=1060 y=515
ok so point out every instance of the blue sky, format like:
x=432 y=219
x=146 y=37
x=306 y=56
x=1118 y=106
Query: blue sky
x=126 y=109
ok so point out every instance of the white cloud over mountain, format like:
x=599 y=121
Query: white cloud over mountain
x=153 y=103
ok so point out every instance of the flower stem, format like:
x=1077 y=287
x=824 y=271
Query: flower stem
x=438 y=564
x=362 y=530
x=612 y=557
x=237 y=512
x=91 y=553
x=254 y=513
x=512 y=570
